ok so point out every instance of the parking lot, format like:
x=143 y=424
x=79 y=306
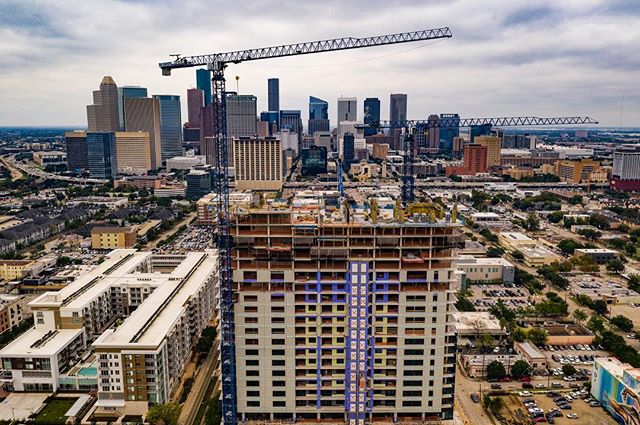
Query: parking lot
x=579 y=356
x=556 y=408
x=486 y=296
x=192 y=239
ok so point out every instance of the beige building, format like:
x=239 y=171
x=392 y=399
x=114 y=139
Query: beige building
x=103 y=114
x=15 y=269
x=207 y=206
x=113 y=237
x=13 y=310
x=493 y=145
x=258 y=163
x=534 y=254
x=531 y=354
x=143 y=114
x=133 y=152
x=324 y=301
x=518 y=173
x=577 y=171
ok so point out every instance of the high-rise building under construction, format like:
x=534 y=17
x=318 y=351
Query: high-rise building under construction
x=343 y=311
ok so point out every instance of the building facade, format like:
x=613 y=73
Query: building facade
x=241 y=115
x=292 y=120
x=371 y=115
x=576 y=171
x=143 y=114
x=203 y=82
x=273 y=94
x=195 y=102
x=103 y=115
x=347 y=109
x=101 y=155
x=133 y=152
x=258 y=163
x=492 y=143
x=318 y=115
x=113 y=237
x=123 y=93
x=398 y=107
x=170 y=126
x=449 y=128
x=626 y=170
x=76 y=146
x=342 y=319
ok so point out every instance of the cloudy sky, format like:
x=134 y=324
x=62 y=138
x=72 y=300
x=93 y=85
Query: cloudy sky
x=507 y=57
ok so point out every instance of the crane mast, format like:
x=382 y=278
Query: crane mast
x=358 y=401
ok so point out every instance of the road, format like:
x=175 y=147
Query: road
x=32 y=170
x=16 y=174
x=425 y=184
x=173 y=229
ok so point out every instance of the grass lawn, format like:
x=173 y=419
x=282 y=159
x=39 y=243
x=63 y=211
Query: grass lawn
x=53 y=413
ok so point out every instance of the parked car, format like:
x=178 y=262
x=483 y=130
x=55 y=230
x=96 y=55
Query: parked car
x=475 y=397
x=572 y=415
x=496 y=386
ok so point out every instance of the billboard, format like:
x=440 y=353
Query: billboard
x=619 y=395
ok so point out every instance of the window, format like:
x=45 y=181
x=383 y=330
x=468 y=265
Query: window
x=277 y=341
x=414 y=352
x=412 y=373
x=253 y=393
x=253 y=362
x=412 y=383
x=253 y=383
x=277 y=352
x=250 y=320
x=277 y=373
x=277 y=362
x=278 y=309
x=250 y=309
x=279 y=394
x=251 y=342
x=251 y=331
x=277 y=331
x=408 y=362
x=411 y=403
x=253 y=404
x=253 y=373
x=277 y=320
x=278 y=383
x=251 y=352
x=251 y=298
x=279 y=403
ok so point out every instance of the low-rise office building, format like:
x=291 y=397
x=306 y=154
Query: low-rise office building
x=531 y=355
x=15 y=269
x=485 y=270
x=475 y=364
x=113 y=237
x=533 y=253
x=598 y=255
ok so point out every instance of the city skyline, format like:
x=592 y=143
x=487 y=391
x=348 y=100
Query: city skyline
x=525 y=74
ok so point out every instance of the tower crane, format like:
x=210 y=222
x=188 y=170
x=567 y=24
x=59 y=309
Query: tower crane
x=410 y=127
x=216 y=63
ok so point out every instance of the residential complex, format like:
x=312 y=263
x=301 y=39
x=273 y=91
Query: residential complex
x=112 y=237
x=165 y=301
x=341 y=316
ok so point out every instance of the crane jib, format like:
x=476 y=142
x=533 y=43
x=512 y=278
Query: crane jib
x=320 y=46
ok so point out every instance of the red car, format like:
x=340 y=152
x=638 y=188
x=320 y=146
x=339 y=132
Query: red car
x=525 y=379
x=506 y=379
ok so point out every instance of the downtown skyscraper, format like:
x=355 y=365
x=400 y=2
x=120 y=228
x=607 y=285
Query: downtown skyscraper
x=398 y=107
x=170 y=126
x=203 y=82
x=371 y=115
x=273 y=94
x=347 y=109
x=103 y=115
x=241 y=115
x=124 y=93
x=318 y=115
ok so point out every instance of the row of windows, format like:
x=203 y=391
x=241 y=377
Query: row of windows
x=302 y=403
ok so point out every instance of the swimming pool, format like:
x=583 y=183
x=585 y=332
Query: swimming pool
x=88 y=371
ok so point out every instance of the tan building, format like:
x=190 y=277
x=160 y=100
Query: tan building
x=143 y=114
x=548 y=169
x=518 y=173
x=207 y=206
x=380 y=151
x=258 y=163
x=103 y=114
x=531 y=354
x=568 y=335
x=13 y=310
x=113 y=237
x=15 y=269
x=534 y=254
x=298 y=271
x=493 y=145
x=576 y=171
x=133 y=152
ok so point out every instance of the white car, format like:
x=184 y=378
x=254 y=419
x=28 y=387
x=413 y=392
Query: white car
x=525 y=394
x=572 y=415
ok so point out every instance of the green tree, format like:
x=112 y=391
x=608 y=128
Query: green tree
x=532 y=222
x=164 y=414
x=555 y=217
x=495 y=371
x=520 y=368
x=634 y=282
x=623 y=323
x=595 y=324
x=568 y=370
x=590 y=234
x=600 y=306
x=568 y=246
x=615 y=266
x=494 y=252
x=579 y=315
x=519 y=335
x=537 y=336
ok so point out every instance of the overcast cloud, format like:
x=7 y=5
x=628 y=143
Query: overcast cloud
x=506 y=57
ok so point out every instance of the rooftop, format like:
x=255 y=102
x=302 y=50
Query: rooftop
x=530 y=350
x=40 y=342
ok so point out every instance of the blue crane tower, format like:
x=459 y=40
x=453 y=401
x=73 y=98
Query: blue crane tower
x=358 y=399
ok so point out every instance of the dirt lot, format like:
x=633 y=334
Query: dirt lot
x=586 y=414
x=632 y=313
